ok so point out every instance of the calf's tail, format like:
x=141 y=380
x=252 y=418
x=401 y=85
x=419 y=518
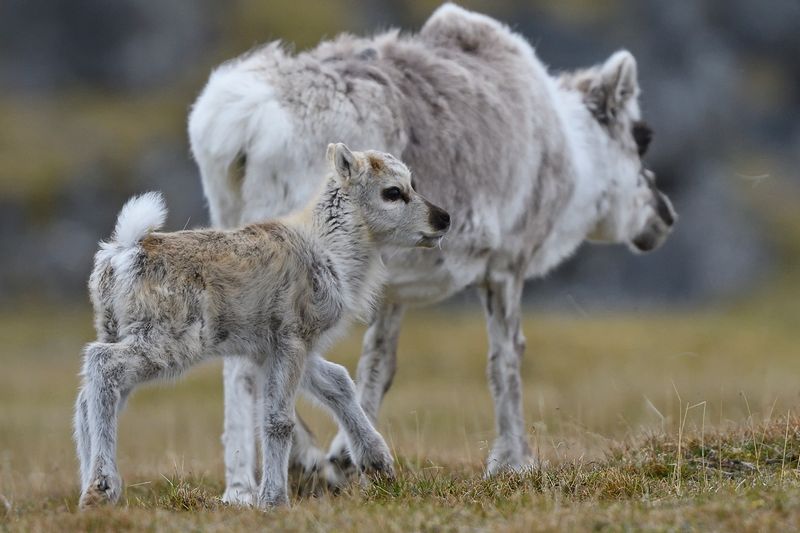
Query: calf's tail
x=139 y=216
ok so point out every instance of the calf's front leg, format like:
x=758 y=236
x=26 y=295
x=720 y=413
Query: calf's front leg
x=243 y=388
x=282 y=373
x=331 y=385
x=376 y=369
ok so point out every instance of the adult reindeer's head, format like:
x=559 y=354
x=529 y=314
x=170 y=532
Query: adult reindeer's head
x=634 y=211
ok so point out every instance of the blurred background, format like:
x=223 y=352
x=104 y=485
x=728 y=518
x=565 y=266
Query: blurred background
x=95 y=96
x=93 y=108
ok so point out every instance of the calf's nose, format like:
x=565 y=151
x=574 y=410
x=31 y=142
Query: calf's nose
x=439 y=218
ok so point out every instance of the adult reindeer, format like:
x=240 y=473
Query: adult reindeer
x=529 y=165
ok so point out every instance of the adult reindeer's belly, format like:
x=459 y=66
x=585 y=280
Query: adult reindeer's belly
x=421 y=277
x=424 y=277
x=481 y=241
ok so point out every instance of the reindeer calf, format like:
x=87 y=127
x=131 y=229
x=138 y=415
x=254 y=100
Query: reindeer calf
x=274 y=292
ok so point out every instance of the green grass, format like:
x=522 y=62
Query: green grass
x=663 y=421
x=43 y=144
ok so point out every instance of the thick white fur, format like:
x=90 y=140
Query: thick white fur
x=139 y=216
x=531 y=165
x=276 y=293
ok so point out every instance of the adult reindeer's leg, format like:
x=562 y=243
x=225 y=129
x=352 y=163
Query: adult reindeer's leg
x=83 y=440
x=308 y=465
x=501 y=297
x=241 y=383
x=375 y=372
x=378 y=361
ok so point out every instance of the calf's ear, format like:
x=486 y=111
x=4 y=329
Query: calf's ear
x=343 y=162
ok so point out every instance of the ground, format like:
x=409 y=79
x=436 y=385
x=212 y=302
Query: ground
x=660 y=421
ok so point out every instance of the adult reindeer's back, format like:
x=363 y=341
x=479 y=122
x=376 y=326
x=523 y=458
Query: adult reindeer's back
x=530 y=166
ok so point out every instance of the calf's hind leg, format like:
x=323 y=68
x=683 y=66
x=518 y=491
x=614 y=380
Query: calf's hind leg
x=83 y=441
x=110 y=372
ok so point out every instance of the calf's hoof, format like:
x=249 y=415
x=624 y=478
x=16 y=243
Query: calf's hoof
x=374 y=460
x=103 y=489
x=378 y=463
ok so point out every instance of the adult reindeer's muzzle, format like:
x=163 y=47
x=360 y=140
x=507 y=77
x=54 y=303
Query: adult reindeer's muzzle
x=659 y=226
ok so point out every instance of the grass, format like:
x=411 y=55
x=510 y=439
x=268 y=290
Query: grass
x=634 y=487
x=663 y=421
x=44 y=144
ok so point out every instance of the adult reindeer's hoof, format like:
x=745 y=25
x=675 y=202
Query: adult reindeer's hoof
x=323 y=477
x=271 y=501
x=239 y=495
x=104 y=489
x=517 y=467
x=331 y=475
x=313 y=474
x=511 y=457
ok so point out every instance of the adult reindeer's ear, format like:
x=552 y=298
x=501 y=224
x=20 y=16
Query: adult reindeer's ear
x=343 y=161
x=615 y=86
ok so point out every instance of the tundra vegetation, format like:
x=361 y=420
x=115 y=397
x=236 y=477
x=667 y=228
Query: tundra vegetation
x=669 y=420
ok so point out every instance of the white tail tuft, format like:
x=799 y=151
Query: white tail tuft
x=139 y=216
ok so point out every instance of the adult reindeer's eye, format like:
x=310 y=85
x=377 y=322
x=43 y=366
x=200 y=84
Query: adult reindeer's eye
x=392 y=194
x=643 y=135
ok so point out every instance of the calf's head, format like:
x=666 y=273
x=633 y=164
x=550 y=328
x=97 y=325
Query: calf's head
x=380 y=187
x=633 y=211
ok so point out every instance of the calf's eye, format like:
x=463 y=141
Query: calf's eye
x=392 y=194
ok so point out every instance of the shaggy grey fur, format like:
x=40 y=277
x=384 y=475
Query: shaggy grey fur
x=530 y=166
x=274 y=292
